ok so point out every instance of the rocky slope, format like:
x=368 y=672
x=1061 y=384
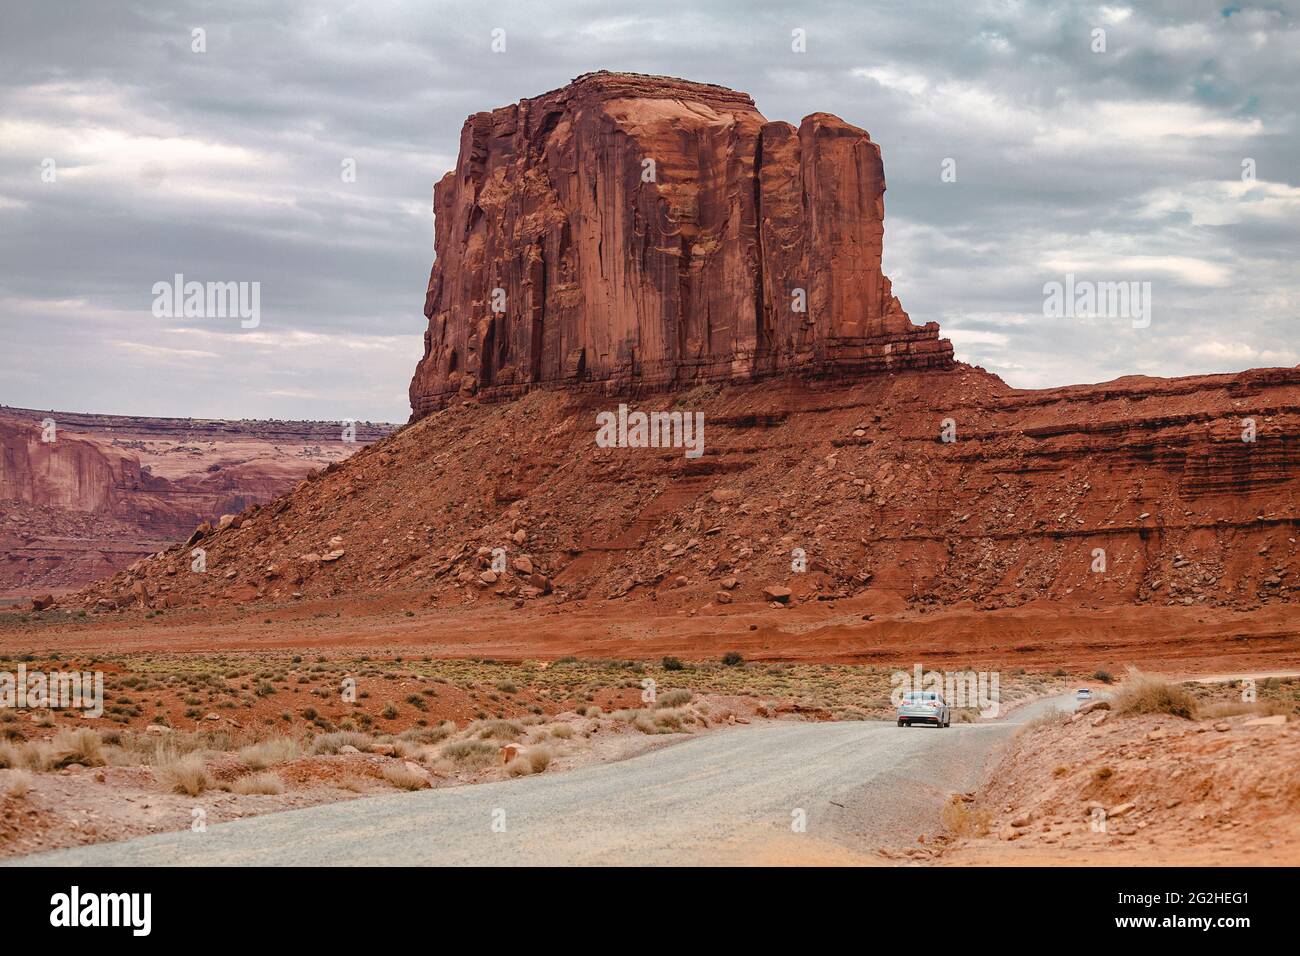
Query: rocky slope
x=109 y=489
x=648 y=232
x=1039 y=487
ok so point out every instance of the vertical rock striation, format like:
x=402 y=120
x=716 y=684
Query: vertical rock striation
x=647 y=232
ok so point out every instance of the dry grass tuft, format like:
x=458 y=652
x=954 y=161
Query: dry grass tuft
x=259 y=783
x=81 y=746
x=519 y=767
x=17 y=784
x=1145 y=694
x=404 y=778
x=185 y=775
x=496 y=730
x=331 y=743
x=674 y=698
x=539 y=758
x=472 y=753
x=270 y=752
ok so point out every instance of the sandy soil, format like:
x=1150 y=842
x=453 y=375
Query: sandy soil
x=1191 y=640
x=1108 y=789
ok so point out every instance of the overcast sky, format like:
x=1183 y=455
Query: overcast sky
x=225 y=165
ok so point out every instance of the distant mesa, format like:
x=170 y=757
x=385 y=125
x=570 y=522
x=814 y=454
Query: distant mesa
x=648 y=233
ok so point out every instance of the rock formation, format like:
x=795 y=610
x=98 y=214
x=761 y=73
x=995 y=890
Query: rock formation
x=1152 y=472
x=648 y=232
x=109 y=489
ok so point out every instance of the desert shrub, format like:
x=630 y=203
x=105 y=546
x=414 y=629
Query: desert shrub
x=81 y=746
x=496 y=730
x=1145 y=694
x=672 y=664
x=562 y=731
x=429 y=735
x=270 y=752
x=539 y=758
x=1104 y=676
x=260 y=783
x=185 y=775
x=17 y=784
x=404 y=778
x=470 y=752
x=674 y=698
x=11 y=757
x=732 y=658
x=332 y=742
x=389 y=712
x=519 y=767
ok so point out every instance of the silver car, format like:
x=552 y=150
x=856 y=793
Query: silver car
x=924 y=707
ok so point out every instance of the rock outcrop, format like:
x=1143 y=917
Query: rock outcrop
x=108 y=489
x=647 y=233
x=1139 y=491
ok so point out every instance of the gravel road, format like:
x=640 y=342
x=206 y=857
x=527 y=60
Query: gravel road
x=729 y=796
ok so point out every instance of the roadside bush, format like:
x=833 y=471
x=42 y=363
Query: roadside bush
x=258 y=783
x=270 y=752
x=539 y=758
x=674 y=698
x=404 y=778
x=496 y=730
x=331 y=743
x=1144 y=694
x=81 y=746
x=470 y=752
x=185 y=775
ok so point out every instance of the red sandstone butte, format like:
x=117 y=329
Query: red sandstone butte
x=650 y=232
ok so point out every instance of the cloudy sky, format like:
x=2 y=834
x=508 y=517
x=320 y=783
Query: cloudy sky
x=127 y=157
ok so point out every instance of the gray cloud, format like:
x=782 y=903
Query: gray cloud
x=226 y=166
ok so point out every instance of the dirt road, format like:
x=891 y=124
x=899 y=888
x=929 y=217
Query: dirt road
x=734 y=796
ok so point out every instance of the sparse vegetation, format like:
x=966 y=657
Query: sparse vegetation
x=1146 y=694
x=405 y=778
x=258 y=783
x=674 y=698
x=186 y=775
x=268 y=753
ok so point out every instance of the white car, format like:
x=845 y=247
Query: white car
x=1083 y=694
x=924 y=707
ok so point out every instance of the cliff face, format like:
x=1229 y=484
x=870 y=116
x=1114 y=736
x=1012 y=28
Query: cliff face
x=648 y=232
x=111 y=489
